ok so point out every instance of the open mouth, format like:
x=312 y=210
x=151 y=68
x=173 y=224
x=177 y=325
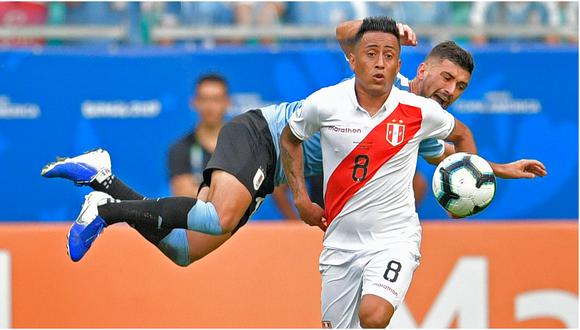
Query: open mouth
x=379 y=76
x=441 y=99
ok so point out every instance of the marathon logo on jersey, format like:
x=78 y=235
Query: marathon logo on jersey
x=395 y=133
x=346 y=130
x=259 y=178
x=326 y=325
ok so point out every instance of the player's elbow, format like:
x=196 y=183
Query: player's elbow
x=288 y=141
x=462 y=138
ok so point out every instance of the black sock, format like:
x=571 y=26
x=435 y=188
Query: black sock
x=160 y=213
x=116 y=188
x=119 y=190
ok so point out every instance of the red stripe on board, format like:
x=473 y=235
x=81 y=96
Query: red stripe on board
x=341 y=185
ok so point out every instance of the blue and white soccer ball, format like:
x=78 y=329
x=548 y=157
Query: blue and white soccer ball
x=464 y=184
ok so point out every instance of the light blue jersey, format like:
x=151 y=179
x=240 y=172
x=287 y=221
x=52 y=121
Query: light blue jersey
x=277 y=116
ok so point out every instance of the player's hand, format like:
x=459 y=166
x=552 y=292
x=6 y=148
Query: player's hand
x=523 y=169
x=407 y=35
x=313 y=215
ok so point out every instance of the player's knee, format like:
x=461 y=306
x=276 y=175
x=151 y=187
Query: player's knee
x=374 y=316
x=178 y=257
x=175 y=246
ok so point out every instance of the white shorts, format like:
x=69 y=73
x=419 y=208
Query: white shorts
x=349 y=275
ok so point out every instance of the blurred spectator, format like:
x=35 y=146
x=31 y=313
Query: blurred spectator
x=569 y=18
x=537 y=14
x=319 y=13
x=259 y=14
x=184 y=13
x=202 y=13
x=415 y=14
x=460 y=11
x=118 y=13
x=14 y=14
x=189 y=156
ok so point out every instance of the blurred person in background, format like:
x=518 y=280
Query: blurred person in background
x=419 y=14
x=530 y=14
x=189 y=156
x=319 y=13
x=569 y=18
x=15 y=14
x=264 y=14
x=172 y=14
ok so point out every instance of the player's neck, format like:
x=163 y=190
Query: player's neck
x=207 y=136
x=369 y=101
x=207 y=129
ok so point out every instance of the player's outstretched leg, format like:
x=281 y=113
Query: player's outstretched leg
x=87 y=226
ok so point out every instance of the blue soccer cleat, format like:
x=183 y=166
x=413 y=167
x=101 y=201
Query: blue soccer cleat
x=92 y=165
x=87 y=226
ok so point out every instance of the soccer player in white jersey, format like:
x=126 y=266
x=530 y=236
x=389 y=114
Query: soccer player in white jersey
x=370 y=135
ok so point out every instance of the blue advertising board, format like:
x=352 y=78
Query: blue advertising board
x=521 y=103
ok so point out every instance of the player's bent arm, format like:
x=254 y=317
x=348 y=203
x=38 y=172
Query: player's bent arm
x=346 y=31
x=462 y=138
x=449 y=150
x=520 y=169
x=292 y=156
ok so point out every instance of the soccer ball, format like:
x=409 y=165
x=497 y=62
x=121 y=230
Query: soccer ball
x=464 y=184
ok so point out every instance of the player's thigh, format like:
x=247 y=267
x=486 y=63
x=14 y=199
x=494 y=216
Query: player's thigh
x=229 y=196
x=387 y=276
x=242 y=168
x=341 y=289
x=201 y=244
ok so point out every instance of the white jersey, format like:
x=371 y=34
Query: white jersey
x=369 y=162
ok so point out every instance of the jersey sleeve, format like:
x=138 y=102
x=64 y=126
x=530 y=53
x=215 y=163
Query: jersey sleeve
x=437 y=122
x=431 y=148
x=305 y=121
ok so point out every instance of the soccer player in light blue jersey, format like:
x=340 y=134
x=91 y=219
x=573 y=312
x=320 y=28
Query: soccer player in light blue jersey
x=244 y=169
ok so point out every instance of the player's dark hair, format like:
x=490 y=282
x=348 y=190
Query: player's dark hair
x=449 y=50
x=212 y=77
x=377 y=24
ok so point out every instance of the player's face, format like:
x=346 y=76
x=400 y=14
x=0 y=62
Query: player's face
x=211 y=102
x=442 y=81
x=376 y=62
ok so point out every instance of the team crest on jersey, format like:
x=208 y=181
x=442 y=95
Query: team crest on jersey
x=395 y=132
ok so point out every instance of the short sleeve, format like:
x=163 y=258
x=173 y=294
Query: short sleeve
x=178 y=160
x=437 y=122
x=431 y=148
x=304 y=122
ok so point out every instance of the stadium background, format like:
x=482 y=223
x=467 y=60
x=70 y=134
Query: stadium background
x=63 y=94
